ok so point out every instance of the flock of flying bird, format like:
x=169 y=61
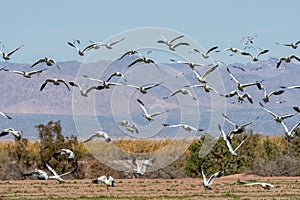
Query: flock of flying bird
x=140 y=169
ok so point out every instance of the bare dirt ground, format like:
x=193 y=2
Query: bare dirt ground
x=223 y=188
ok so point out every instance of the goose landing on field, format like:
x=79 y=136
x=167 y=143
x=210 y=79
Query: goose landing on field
x=207 y=183
x=140 y=169
x=109 y=182
x=266 y=186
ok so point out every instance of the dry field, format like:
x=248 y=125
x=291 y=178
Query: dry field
x=224 y=188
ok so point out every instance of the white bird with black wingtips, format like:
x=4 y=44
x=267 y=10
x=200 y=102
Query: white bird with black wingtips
x=186 y=127
x=140 y=169
x=147 y=115
x=207 y=183
x=16 y=134
x=109 y=182
x=170 y=44
x=229 y=143
x=205 y=54
x=98 y=134
x=89 y=89
x=6 y=56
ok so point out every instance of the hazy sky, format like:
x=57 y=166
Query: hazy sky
x=44 y=27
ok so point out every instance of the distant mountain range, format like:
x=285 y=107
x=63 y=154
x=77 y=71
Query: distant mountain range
x=23 y=96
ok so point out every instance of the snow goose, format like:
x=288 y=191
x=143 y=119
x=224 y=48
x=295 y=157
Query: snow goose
x=106 y=83
x=144 y=60
x=143 y=89
x=81 y=52
x=70 y=153
x=41 y=175
x=54 y=81
x=170 y=43
x=266 y=186
x=190 y=64
x=5 y=115
x=205 y=54
x=287 y=60
x=130 y=127
x=6 y=56
x=181 y=91
x=241 y=86
x=16 y=134
x=147 y=115
x=294 y=45
x=98 y=134
x=229 y=143
x=85 y=92
x=48 y=61
x=202 y=79
x=207 y=183
x=56 y=176
x=238 y=128
x=186 y=127
x=140 y=169
x=130 y=53
x=278 y=118
x=287 y=132
x=109 y=182
x=26 y=74
x=240 y=97
x=254 y=58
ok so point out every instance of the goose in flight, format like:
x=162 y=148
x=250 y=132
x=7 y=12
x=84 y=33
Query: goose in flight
x=186 y=127
x=287 y=132
x=207 y=183
x=254 y=58
x=117 y=74
x=85 y=92
x=81 y=52
x=202 y=79
x=109 y=182
x=147 y=115
x=130 y=127
x=205 y=54
x=143 y=89
x=16 y=134
x=140 y=169
x=130 y=53
x=240 y=97
x=278 y=118
x=70 y=153
x=106 y=83
x=190 y=64
x=41 y=175
x=267 y=96
x=229 y=143
x=287 y=60
x=238 y=128
x=48 y=61
x=266 y=186
x=182 y=91
x=294 y=45
x=249 y=39
x=291 y=87
x=54 y=81
x=98 y=134
x=107 y=45
x=207 y=88
x=232 y=49
x=170 y=43
x=26 y=74
x=5 y=115
x=144 y=60
x=6 y=56
x=56 y=176
x=241 y=86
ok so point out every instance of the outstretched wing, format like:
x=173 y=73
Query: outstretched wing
x=142 y=106
x=215 y=175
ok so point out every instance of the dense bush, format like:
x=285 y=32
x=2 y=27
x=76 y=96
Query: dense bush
x=262 y=155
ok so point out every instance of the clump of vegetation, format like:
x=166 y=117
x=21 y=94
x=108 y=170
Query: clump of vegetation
x=261 y=155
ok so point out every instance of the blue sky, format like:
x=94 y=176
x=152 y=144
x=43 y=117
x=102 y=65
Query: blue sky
x=44 y=27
